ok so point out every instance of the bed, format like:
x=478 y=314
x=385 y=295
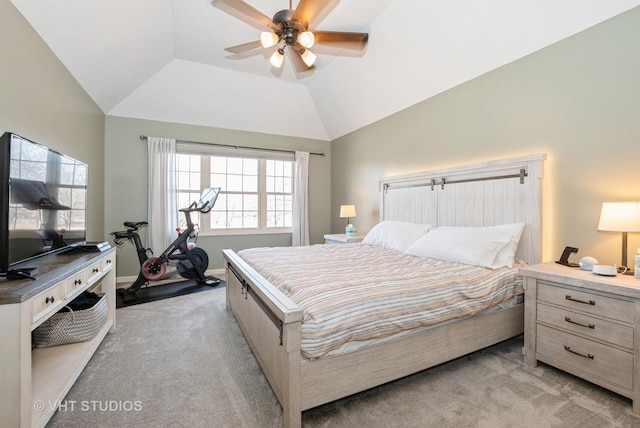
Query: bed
x=498 y=192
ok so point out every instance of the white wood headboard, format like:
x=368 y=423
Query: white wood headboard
x=481 y=194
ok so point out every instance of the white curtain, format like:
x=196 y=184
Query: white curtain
x=162 y=205
x=300 y=232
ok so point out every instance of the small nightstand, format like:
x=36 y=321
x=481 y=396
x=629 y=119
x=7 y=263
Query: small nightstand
x=585 y=324
x=342 y=238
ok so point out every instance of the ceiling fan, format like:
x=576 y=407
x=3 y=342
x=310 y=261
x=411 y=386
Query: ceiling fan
x=289 y=29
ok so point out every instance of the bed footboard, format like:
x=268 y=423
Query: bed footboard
x=270 y=322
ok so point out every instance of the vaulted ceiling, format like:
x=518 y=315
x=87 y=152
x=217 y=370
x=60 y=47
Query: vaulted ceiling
x=165 y=60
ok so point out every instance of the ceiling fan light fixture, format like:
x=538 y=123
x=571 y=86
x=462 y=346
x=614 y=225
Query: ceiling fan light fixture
x=277 y=58
x=306 y=39
x=308 y=57
x=268 y=39
x=289 y=29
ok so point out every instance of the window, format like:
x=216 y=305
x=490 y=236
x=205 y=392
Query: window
x=256 y=194
x=279 y=193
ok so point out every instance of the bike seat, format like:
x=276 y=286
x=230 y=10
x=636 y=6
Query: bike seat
x=135 y=224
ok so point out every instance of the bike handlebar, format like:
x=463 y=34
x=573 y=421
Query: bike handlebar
x=191 y=208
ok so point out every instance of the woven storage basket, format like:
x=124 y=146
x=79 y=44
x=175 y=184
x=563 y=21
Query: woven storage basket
x=71 y=327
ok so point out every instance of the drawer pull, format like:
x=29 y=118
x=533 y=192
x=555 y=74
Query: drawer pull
x=49 y=299
x=590 y=302
x=591 y=326
x=96 y=270
x=568 y=349
x=77 y=282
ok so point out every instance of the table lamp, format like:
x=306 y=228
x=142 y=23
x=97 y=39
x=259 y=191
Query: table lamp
x=620 y=217
x=348 y=211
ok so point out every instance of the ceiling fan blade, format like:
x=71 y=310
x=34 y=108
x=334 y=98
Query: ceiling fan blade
x=246 y=13
x=296 y=60
x=244 y=47
x=308 y=10
x=341 y=39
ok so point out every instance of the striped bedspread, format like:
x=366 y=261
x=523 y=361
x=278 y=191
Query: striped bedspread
x=358 y=292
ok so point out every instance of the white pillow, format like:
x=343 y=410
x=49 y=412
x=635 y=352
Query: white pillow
x=491 y=247
x=395 y=235
x=507 y=255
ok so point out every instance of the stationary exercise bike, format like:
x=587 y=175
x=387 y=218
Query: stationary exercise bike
x=182 y=257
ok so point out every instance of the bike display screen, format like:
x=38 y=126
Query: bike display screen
x=207 y=199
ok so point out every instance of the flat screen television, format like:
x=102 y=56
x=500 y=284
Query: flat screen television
x=43 y=201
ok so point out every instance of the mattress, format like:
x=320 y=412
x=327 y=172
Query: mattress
x=358 y=293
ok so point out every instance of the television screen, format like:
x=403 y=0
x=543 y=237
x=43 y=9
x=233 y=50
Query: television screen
x=44 y=200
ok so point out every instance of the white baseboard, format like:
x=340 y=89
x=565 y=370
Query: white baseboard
x=218 y=273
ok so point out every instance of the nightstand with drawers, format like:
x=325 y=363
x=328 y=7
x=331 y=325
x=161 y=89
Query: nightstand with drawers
x=585 y=324
x=342 y=238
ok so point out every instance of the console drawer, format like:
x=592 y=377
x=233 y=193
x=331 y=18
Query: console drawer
x=601 y=361
x=106 y=263
x=47 y=302
x=586 y=325
x=94 y=272
x=616 y=309
x=75 y=282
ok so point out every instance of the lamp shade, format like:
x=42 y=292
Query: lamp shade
x=347 y=211
x=277 y=58
x=308 y=57
x=620 y=217
x=306 y=39
x=268 y=39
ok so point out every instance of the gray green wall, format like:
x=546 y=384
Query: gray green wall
x=126 y=182
x=578 y=101
x=40 y=100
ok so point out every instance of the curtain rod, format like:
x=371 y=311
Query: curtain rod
x=144 y=138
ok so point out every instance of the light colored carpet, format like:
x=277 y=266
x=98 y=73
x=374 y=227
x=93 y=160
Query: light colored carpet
x=183 y=362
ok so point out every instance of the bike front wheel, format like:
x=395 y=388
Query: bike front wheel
x=201 y=263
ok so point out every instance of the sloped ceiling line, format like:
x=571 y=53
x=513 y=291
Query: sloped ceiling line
x=164 y=60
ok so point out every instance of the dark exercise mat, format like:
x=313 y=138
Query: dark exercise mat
x=160 y=292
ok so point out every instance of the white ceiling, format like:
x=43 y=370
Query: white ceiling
x=165 y=60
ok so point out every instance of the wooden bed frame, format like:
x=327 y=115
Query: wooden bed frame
x=483 y=194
